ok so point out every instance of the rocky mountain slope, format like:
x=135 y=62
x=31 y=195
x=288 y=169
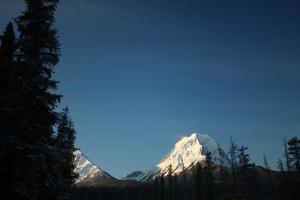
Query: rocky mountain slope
x=89 y=173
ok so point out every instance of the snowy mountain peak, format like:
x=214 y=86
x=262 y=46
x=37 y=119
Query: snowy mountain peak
x=86 y=169
x=193 y=136
x=187 y=152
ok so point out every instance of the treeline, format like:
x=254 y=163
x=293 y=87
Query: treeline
x=36 y=141
x=232 y=176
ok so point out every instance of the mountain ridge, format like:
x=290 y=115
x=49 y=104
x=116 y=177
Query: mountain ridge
x=187 y=151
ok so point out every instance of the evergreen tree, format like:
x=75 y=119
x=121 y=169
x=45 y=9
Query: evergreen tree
x=7 y=64
x=170 y=182
x=7 y=77
x=244 y=159
x=223 y=169
x=156 y=187
x=162 y=185
x=38 y=53
x=288 y=179
x=184 y=187
x=65 y=146
x=175 y=187
x=209 y=177
x=294 y=158
x=287 y=158
x=8 y=91
x=198 y=182
x=233 y=164
x=243 y=163
x=294 y=153
x=246 y=173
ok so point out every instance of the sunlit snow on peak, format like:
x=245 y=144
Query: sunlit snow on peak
x=85 y=168
x=187 y=152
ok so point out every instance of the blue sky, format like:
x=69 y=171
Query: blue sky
x=137 y=75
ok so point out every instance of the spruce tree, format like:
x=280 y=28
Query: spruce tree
x=198 y=182
x=65 y=146
x=170 y=182
x=184 y=182
x=175 y=187
x=7 y=78
x=162 y=185
x=222 y=161
x=294 y=153
x=38 y=53
x=294 y=156
x=208 y=176
x=7 y=63
x=287 y=157
x=8 y=92
x=244 y=159
x=245 y=171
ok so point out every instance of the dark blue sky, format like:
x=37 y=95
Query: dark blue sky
x=139 y=74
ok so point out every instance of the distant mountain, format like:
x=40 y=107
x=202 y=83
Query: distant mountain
x=187 y=152
x=90 y=174
x=136 y=176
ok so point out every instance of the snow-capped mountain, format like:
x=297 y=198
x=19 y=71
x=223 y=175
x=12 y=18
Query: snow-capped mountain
x=187 y=152
x=88 y=172
x=136 y=176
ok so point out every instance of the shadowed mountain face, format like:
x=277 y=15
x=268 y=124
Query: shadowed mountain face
x=136 y=175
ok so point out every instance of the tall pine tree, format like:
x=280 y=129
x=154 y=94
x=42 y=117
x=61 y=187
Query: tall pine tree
x=294 y=153
x=162 y=186
x=209 y=176
x=8 y=80
x=37 y=55
x=65 y=146
x=7 y=62
x=246 y=170
x=170 y=182
x=198 y=182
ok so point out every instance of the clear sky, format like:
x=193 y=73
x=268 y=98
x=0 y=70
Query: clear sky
x=139 y=74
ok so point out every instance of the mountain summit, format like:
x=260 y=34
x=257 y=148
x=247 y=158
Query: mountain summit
x=89 y=174
x=187 y=152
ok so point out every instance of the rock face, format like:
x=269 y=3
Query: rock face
x=90 y=174
x=187 y=152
